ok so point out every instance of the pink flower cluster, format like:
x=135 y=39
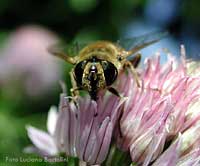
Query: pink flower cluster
x=158 y=112
x=25 y=61
x=157 y=123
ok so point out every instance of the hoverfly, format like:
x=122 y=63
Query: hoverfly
x=97 y=65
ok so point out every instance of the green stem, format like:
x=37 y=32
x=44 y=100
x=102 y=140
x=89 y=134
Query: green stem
x=116 y=157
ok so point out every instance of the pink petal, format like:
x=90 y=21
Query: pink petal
x=155 y=148
x=97 y=145
x=62 y=126
x=191 y=158
x=170 y=156
x=105 y=144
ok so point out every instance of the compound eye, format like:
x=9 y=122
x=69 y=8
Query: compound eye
x=110 y=72
x=78 y=72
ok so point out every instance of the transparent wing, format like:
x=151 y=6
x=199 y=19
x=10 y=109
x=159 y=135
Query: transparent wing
x=66 y=52
x=71 y=49
x=137 y=43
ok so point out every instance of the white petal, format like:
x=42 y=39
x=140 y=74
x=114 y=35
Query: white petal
x=29 y=149
x=35 y=150
x=42 y=140
x=52 y=119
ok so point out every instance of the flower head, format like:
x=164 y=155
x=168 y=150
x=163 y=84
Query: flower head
x=157 y=112
x=157 y=123
x=185 y=150
x=83 y=128
x=25 y=59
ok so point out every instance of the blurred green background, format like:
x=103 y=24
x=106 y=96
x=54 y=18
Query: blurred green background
x=29 y=76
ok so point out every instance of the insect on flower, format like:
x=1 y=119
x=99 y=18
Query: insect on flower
x=97 y=65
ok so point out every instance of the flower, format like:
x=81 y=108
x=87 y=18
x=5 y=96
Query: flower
x=25 y=61
x=157 y=124
x=44 y=142
x=83 y=128
x=184 y=151
x=158 y=111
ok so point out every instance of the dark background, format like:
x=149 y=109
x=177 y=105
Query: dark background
x=82 y=21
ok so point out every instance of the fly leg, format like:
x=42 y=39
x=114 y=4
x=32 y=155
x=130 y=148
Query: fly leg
x=132 y=64
x=75 y=89
x=136 y=60
x=133 y=71
x=115 y=92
